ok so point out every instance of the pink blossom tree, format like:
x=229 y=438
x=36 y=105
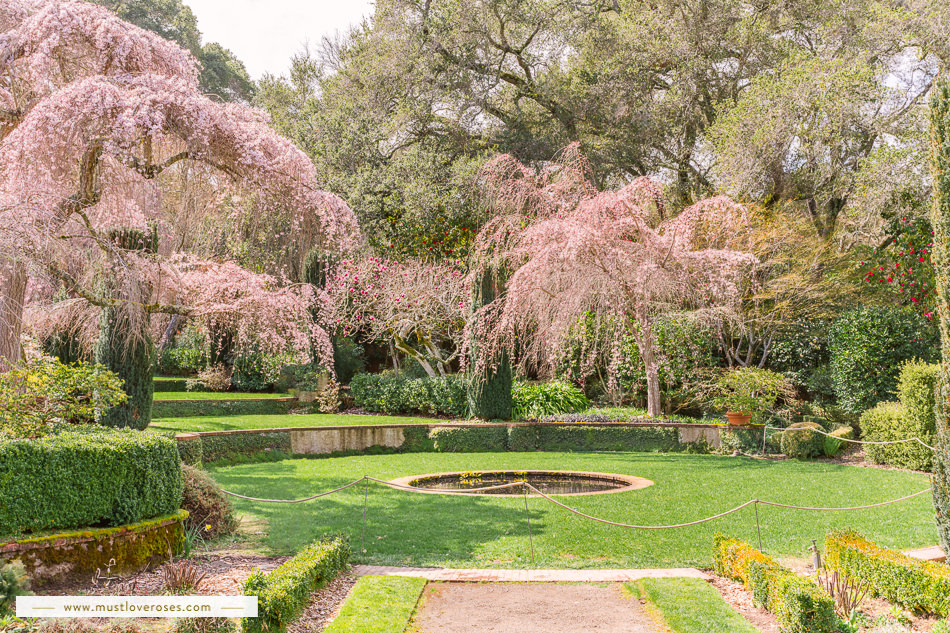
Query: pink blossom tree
x=97 y=115
x=418 y=307
x=572 y=251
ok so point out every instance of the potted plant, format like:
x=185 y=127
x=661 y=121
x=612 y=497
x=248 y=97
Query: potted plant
x=745 y=394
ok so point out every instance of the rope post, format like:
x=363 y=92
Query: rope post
x=363 y=529
x=765 y=430
x=758 y=527
x=524 y=490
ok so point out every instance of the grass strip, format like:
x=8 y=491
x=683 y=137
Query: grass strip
x=378 y=604
x=692 y=605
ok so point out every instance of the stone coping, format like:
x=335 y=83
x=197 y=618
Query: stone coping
x=631 y=482
x=90 y=534
x=460 y=425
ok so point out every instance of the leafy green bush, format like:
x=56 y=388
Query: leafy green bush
x=799 y=605
x=490 y=439
x=13 y=583
x=237 y=446
x=254 y=371
x=394 y=394
x=348 y=359
x=912 y=417
x=910 y=582
x=38 y=395
x=867 y=348
x=87 y=476
x=834 y=442
x=748 y=390
x=537 y=400
x=800 y=352
x=210 y=511
x=186 y=357
x=190 y=451
x=285 y=592
x=613 y=438
x=800 y=442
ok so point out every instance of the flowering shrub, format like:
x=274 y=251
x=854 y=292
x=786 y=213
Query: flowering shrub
x=39 y=394
x=904 y=264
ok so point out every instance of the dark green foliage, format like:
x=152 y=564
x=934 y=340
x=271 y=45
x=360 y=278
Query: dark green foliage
x=940 y=218
x=234 y=446
x=867 y=348
x=254 y=372
x=910 y=582
x=522 y=438
x=285 y=592
x=393 y=394
x=799 y=442
x=743 y=440
x=132 y=360
x=209 y=510
x=173 y=385
x=537 y=400
x=470 y=439
x=349 y=359
x=186 y=356
x=417 y=440
x=889 y=421
x=834 y=444
x=570 y=438
x=87 y=476
x=799 y=605
x=190 y=451
x=244 y=406
x=489 y=390
x=13 y=583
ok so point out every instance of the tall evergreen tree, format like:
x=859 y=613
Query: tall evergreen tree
x=940 y=160
x=489 y=395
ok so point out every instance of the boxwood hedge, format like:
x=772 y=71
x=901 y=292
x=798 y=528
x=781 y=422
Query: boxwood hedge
x=87 y=476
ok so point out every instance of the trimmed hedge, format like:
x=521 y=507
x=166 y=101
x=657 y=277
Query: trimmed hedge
x=912 y=417
x=800 y=443
x=198 y=408
x=490 y=439
x=395 y=394
x=87 y=476
x=235 y=446
x=285 y=592
x=912 y=583
x=612 y=438
x=799 y=605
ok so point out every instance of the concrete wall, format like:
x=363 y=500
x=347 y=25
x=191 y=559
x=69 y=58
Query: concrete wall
x=351 y=438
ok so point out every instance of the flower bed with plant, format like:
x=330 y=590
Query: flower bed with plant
x=749 y=390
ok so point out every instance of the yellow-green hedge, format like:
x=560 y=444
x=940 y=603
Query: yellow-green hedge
x=799 y=605
x=910 y=582
x=284 y=593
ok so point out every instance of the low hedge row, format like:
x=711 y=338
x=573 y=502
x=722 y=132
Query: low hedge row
x=87 y=476
x=198 y=408
x=799 y=605
x=394 y=394
x=285 y=592
x=909 y=582
x=233 y=446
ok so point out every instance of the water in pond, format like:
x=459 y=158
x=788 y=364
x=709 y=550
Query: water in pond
x=552 y=483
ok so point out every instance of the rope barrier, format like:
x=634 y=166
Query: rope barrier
x=526 y=486
x=843 y=439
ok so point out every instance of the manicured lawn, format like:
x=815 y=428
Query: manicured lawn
x=378 y=604
x=691 y=605
x=215 y=395
x=405 y=528
x=227 y=423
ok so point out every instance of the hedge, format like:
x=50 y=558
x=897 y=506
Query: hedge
x=799 y=441
x=489 y=439
x=394 y=394
x=198 y=408
x=237 y=446
x=799 y=605
x=87 y=476
x=912 y=417
x=284 y=593
x=912 y=583
x=611 y=438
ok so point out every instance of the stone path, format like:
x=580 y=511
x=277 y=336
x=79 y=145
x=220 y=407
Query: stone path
x=529 y=575
x=933 y=553
x=535 y=608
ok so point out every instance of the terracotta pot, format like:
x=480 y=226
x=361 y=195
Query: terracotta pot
x=737 y=418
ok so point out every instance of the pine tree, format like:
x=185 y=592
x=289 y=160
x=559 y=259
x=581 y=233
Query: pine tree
x=940 y=157
x=489 y=393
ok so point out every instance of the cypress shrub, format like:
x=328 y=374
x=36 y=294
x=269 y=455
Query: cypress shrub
x=489 y=391
x=132 y=359
x=940 y=218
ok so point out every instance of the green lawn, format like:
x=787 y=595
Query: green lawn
x=378 y=604
x=227 y=423
x=691 y=605
x=422 y=529
x=215 y=395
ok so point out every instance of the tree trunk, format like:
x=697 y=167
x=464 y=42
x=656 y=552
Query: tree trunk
x=12 y=297
x=647 y=344
x=940 y=139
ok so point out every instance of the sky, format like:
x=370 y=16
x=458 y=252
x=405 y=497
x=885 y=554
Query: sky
x=264 y=34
